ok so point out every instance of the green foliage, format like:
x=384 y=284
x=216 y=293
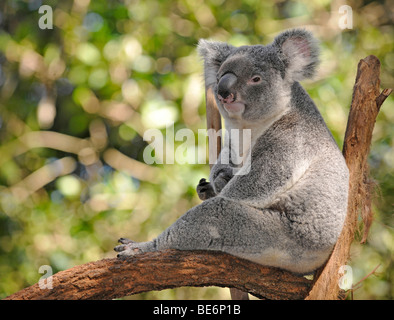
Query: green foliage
x=76 y=100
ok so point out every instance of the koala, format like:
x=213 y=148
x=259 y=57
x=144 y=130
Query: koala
x=286 y=206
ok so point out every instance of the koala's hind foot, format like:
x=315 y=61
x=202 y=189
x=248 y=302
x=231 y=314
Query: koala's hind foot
x=129 y=248
x=205 y=190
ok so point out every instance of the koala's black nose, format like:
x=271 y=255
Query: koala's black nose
x=225 y=86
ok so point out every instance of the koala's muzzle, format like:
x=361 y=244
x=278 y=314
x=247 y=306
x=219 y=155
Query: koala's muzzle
x=226 y=94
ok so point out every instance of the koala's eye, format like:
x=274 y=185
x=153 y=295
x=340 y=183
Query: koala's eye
x=256 y=79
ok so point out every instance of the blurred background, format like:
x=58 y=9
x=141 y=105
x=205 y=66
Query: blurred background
x=75 y=101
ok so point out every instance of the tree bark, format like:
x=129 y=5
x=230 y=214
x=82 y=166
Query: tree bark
x=112 y=278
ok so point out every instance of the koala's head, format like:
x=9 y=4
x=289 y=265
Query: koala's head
x=254 y=82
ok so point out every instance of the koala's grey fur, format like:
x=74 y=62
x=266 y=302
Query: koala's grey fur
x=287 y=210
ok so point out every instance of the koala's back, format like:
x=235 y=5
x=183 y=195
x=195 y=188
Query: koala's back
x=316 y=204
x=313 y=195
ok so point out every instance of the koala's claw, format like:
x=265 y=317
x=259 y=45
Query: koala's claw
x=205 y=190
x=125 y=241
x=127 y=252
x=120 y=248
x=125 y=244
x=127 y=248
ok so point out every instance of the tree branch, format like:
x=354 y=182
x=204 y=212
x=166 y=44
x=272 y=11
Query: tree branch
x=113 y=278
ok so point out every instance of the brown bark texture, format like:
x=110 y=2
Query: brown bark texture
x=112 y=278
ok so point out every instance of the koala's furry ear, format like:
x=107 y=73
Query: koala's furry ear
x=299 y=51
x=213 y=53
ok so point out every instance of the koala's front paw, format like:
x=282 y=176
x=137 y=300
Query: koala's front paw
x=222 y=177
x=127 y=248
x=205 y=190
